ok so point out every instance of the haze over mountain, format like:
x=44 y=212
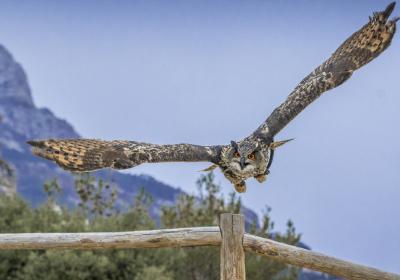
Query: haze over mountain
x=22 y=120
x=216 y=69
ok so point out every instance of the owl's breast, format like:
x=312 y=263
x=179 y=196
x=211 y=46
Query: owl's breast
x=235 y=174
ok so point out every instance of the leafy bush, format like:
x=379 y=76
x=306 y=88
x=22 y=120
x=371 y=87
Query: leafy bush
x=97 y=213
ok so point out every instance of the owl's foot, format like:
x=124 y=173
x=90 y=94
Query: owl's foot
x=262 y=177
x=240 y=187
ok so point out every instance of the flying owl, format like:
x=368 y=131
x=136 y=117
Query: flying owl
x=239 y=160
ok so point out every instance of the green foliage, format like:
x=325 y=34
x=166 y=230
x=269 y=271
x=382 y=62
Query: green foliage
x=97 y=213
x=52 y=188
x=154 y=272
x=204 y=210
x=97 y=197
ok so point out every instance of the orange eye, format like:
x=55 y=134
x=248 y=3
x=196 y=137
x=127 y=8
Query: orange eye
x=236 y=154
x=251 y=156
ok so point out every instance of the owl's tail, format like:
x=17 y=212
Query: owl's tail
x=82 y=154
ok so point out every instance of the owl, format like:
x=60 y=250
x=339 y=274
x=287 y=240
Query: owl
x=250 y=157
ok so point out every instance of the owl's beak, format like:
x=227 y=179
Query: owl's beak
x=242 y=162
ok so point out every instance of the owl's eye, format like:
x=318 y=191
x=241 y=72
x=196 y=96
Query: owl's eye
x=252 y=156
x=236 y=154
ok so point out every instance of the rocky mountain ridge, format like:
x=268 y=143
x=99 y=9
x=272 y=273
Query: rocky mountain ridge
x=22 y=121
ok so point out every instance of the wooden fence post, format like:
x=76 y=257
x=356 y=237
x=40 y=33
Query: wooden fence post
x=232 y=266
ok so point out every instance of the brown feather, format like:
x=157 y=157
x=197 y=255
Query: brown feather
x=89 y=155
x=359 y=49
x=83 y=154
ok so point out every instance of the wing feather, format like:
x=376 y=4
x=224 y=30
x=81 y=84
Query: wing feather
x=362 y=47
x=91 y=154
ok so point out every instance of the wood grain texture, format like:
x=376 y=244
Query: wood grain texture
x=200 y=236
x=232 y=265
x=312 y=260
x=182 y=237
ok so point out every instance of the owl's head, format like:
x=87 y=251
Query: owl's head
x=246 y=159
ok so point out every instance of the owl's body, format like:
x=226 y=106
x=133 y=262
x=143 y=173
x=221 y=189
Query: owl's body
x=252 y=156
x=239 y=168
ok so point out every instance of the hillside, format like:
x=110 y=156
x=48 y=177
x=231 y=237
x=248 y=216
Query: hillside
x=23 y=120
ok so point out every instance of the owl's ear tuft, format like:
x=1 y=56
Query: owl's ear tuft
x=277 y=144
x=235 y=145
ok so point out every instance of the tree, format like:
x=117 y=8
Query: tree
x=204 y=210
x=93 y=214
x=97 y=197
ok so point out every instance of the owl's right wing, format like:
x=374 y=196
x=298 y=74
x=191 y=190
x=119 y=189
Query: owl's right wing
x=362 y=47
x=87 y=155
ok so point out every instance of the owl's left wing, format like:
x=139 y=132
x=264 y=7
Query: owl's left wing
x=362 y=47
x=89 y=154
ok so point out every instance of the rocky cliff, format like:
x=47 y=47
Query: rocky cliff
x=22 y=120
x=7 y=178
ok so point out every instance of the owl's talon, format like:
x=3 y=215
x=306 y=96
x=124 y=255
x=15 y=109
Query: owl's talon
x=261 y=178
x=240 y=187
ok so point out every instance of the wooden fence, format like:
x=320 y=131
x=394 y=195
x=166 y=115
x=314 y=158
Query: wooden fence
x=230 y=236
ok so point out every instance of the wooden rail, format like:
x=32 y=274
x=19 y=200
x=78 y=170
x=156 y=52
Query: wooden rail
x=180 y=237
x=230 y=236
x=316 y=261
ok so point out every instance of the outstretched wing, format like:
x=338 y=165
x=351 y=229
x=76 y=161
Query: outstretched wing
x=88 y=155
x=362 y=47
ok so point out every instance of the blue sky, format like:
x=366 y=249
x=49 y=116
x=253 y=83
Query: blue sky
x=207 y=72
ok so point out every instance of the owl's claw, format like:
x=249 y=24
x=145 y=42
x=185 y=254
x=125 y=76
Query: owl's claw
x=240 y=187
x=261 y=178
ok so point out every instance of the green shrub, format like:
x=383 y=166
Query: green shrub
x=97 y=213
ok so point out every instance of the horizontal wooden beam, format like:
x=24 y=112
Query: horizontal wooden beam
x=184 y=237
x=180 y=237
x=315 y=261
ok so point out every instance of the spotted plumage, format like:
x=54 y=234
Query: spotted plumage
x=92 y=154
x=250 y=157
x=362 y=47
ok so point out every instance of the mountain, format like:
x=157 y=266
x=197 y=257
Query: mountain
x=22 y=120
x=7 y=178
